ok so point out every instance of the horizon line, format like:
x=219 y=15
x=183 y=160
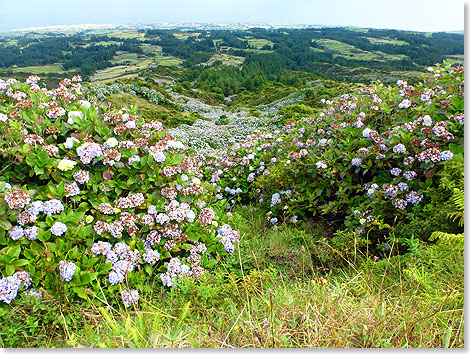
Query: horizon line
x=190 y=24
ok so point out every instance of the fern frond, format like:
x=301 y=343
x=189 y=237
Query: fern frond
x=455 y=240
x=457 y=215
x=459 y=198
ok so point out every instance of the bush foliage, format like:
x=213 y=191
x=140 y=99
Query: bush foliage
x=94 y=201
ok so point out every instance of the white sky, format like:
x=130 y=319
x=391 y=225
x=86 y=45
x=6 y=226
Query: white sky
x=417 y=15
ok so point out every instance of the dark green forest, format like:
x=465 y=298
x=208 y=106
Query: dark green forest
x=285 y=51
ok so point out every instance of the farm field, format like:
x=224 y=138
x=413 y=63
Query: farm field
x=226 y=59
x=258 y=43
x=346 y=50
x=41 y=69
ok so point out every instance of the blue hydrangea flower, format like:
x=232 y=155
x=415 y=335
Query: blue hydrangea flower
x=395 y=171
x=9 y=288
x=399 y=149
x=130 y=297
x=16 y=233
x=67 y=270
x=446 y=155
x=58 y=229
x=356 y=161
x=116 y=277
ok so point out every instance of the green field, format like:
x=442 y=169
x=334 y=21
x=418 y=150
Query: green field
x=456 y=59
x=151 y=48
x=168 y=61
x=118 y=71
x=126 y=34
x=348 y=51
x=130 y=64
x=226 y=59
x=316 y=49
x=105 y=43
x=185 y=35
x=12 y=42
x=124 y=61
x=121 y=77
x=258 y=43
x=113 y=72
x=386 y=41
x=363 y=30
x=259 y=50
x=41 y=69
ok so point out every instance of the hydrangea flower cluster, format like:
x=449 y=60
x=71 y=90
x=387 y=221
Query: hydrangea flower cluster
x=130 y=297
x=67 y=270
x=9 y=286
x=58 y=229
x=88 y=151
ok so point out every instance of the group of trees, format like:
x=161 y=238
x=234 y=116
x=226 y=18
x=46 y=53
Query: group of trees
x=227 y=80
x=292 y=51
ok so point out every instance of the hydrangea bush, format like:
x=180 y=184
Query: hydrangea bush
x=371 y=158
x=97 y=201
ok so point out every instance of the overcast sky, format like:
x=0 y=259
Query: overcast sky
x=416 y=15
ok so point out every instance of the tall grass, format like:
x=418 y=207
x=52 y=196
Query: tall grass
x=271 y=294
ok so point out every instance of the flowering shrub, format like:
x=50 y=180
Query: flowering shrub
x=368 y=159
x=102 y=91
x=96 y=201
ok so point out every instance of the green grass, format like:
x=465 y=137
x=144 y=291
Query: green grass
x=150 y=112
x=104 y=43
x=348 y=51
x=456 y=59
x=272 y=293
x=168 y=61
x=125 y=55
x=363 y=30
x=120 y=70
x=259 y=42
x=316 y=49
x=185 y=35
x=121 y=77
x=149 y=48
x=226 y=59
x=259 y=50
x=12 y=42
x=41 y=69
x=125 y=61
x=113 y=72
x=126 y=34
x=386 y=41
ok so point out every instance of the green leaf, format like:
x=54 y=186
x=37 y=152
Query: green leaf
x=80 y=292
x=52 y=246
x=20 y=262
x=9 y=270
x=447 y=337
x=13 y=252
x=85 y=278
x=5 y=224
